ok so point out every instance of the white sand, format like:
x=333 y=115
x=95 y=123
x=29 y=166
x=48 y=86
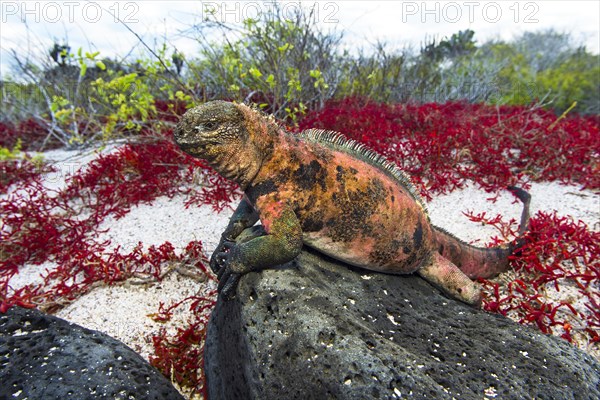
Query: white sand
x=122 y=311
x=446 y=211
x=68 y=163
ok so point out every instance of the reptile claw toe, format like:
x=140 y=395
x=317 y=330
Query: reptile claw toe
x=228 y=284
x=219 y=257
x=215 y=263
x=228 y=244
x=222 y=261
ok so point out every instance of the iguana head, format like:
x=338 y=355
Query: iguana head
x=230 y=137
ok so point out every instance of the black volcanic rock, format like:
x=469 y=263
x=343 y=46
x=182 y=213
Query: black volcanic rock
x=317 y=329
x=45 y=357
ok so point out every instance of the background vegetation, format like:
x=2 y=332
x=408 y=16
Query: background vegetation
x=72 y=97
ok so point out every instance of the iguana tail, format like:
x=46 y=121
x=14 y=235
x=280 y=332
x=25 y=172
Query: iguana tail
x=481 y=262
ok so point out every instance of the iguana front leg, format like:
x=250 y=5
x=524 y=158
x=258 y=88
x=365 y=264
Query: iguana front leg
x=281 y=244
x=243 y=217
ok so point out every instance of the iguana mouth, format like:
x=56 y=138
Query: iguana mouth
x=186 y=146
x=194 y=150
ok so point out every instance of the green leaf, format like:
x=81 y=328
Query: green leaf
x=101 y=65
x=255 y=72
x=285 y=47
x=270 y=80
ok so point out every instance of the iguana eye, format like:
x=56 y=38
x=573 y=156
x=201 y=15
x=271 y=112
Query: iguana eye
x=207 y=126
x=210 y=125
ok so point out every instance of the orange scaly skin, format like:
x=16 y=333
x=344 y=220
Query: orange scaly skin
x=324 y=191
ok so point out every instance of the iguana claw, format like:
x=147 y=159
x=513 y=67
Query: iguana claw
x=214 y=264
x=228 y=284
x=219 y=256
x=228 y=268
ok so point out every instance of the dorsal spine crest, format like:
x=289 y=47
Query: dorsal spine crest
x=337 y=141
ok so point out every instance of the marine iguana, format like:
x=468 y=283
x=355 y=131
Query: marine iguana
x=319 y=189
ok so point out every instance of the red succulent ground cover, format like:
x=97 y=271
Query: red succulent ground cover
x=443 y=146
x=29 y=131
x=559 y=254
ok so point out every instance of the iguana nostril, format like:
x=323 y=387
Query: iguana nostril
x=180 y=137
x=177 y=133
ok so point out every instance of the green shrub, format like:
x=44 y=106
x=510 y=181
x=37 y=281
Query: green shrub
x=285 y=66
x=545 y=67
x=81 y=98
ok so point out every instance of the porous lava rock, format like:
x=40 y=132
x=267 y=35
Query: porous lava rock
x=45 y=357
x=316 y=328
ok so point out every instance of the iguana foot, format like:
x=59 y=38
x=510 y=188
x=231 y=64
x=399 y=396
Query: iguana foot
x=217 y=260
x=451 y=280
x=228 y=267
